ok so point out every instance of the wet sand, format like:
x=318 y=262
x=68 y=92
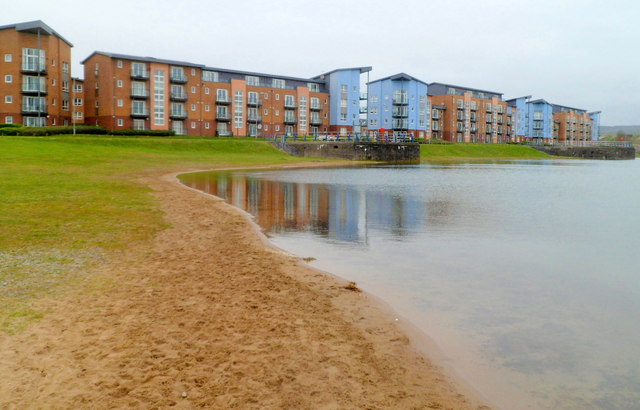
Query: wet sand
x=208 y=314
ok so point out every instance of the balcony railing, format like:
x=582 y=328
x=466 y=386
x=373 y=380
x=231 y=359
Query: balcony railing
x=254 y=118
x=34 y=69
x=178 y=115
x=34 y=90
x=290 y=120
x=315 y=107
x=140 y=74
x=401 y=101
x=254 y=102
x=316 y=121
x=400 y=125
x=223 y=133
x=178 y=96
x=139 y=93
x=223 y=99
x=140 y=113
x=363 y=96
x=223 y=116
x=400 y=112
x=289 y=104
x=34 y=109
x=178 y=79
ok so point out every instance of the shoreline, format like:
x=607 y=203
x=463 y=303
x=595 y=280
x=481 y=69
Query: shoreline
x=418 y=339
x=209 y=313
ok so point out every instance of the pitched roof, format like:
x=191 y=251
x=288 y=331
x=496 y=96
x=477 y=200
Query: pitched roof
x=466 y=88
x=363 y=69
x=399 y=76
x=34 y=27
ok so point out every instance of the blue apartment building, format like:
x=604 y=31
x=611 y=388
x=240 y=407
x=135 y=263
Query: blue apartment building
x=534 y=119
x=398 y=105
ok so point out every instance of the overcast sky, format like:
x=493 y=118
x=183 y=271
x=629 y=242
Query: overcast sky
x=580 y=53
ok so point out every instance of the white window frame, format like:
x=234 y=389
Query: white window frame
x=8 y=78
x=8 y=58
x=8 y=99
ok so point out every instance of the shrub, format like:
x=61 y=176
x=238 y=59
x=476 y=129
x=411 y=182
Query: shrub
x=146 y=133
x=8 y=130
x=10 y=125
x=57 y=130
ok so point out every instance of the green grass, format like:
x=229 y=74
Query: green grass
x=66 y=202
x=463 y=152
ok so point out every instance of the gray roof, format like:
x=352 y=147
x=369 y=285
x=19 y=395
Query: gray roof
x=399 y=76
x=34 y=27
x=363 y=69
x=145 y=59
x=202 y=66
x=517 y=98
x=466 y=88
x=540 y=101
x=571 y=108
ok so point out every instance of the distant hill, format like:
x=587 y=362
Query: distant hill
x=627 y=129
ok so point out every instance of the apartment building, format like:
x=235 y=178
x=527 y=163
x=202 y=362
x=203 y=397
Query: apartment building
x=436 y=126
x=572 y=124
x=35 y=75
x=398 y=105
x=471 y=115
x=146 y=93
x=343 y=86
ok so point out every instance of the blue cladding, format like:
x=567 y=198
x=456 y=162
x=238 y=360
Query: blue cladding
x=595 y=131
x=380 y=102
x=335 y=82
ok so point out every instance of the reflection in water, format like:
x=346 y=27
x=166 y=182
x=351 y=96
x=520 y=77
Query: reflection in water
x=339 y=212
x=526 y=274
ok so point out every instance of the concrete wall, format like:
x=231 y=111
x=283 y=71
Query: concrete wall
x=372 y=151
x=590 y=152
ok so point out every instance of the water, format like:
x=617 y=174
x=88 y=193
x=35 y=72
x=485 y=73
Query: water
x=526 y=274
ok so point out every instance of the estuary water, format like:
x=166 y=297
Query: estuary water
x=526 y=274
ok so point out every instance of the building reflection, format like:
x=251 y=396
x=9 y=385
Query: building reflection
x=338 y=212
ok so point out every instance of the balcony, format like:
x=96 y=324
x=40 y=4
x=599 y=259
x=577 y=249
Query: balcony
x=315 y=107
x=436 y=116
x=178 y=79
x=224 y=133
x=140 y=113
x=290 y=120
x=223 y=116
x=178 y=97
x=139 y=93
x=489 y=120
x=178 y=115
x=316 y=121
x=35 y=109
x=254 y=118
x=400 y=125
x=363 y=110
x=364 y=96
x=223 y=99
x=26 y=90
x=400 y=112
x=140 y=74
x=34 y=69
x=290 y=104
x=474 y=108
x=404 y=100
x=254 y=102
x=474 y=118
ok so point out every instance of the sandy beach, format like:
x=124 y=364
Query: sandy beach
x=209 y=315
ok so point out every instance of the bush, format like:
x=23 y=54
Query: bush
x=10 y=125
x=146 y=133
x=57 y=130
x=4 y=130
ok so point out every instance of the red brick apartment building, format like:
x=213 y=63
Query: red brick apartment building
x=145 y=93
x=461 y=114
x=571 y=124
x=36 y=86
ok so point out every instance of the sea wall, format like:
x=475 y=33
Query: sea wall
x=371 y=151
x=589 y=152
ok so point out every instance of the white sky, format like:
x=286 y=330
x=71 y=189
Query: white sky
x=580 y=53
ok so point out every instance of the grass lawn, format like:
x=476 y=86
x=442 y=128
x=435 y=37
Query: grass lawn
x=66 y=202
x=461 y=152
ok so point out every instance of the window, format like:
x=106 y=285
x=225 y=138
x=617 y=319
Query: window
x=277 y=97
x=119 y=63
x=77 y=115
x=266 y=111
x=193 y=89
x=8 y=99
x=460 y=104
x=238 y=102
x=276 y=83
x=53 y=101
x=8 y=119
x=119 y=84
x=276 y=113
x=77 y=102
x=193 y=107
x=8 y=58
x=222 y=95
x=53 y=83
x=139 y=70
x=344 y=88
x=65 y=105
x=193 y=125
x=65 y=67
x=252 y=80
x=343 y=116
x=207 y=108
x=8 y=78
x=158 y=98
x=206 y=125
x=120 y=102
x=289 y=101
x=138 y=124
x=120 y=122
x=314 y=88
x=33 y=60
x=193 y=72
x=209 y=76
x=77 y=88
x=277 y=128
x=206 y=90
